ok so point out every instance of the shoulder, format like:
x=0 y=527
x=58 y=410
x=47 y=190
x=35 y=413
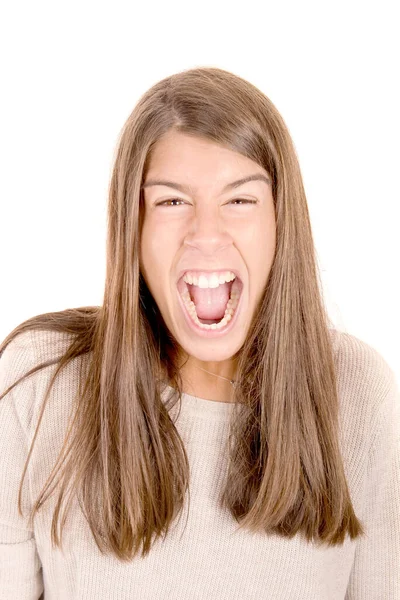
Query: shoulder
x=16 y=359
x=367 y=385
x=28 y=350
x=361 y=365
x=25 y=352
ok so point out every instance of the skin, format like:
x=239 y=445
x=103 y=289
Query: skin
x=203 y=227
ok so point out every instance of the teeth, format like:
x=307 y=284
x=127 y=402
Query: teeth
x=229 y=311
x=210 y=281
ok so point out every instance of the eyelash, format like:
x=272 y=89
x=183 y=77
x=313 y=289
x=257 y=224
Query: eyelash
x=246 y=200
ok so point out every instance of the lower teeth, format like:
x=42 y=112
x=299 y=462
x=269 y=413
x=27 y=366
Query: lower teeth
x=229 y=311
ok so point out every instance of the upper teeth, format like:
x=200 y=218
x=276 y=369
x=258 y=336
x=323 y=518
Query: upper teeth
x=209 y=281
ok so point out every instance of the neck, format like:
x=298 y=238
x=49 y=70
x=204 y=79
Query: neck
x=209 y=380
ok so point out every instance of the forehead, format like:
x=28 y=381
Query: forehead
x=186 y=157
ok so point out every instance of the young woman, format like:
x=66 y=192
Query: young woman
x=284 y=455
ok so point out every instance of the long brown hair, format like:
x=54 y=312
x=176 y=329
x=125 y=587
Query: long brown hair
x=286 y=474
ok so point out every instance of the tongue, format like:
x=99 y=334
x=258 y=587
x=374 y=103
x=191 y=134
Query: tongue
x=210 y=302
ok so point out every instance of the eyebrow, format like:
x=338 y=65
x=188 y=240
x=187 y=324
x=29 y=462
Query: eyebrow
x=229 y=186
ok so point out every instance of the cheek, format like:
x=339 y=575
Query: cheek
x=156 y=258
x=260 y=253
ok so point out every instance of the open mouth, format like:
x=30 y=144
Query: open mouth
x=211 y=308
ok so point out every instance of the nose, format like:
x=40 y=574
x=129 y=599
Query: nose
x=207 y=232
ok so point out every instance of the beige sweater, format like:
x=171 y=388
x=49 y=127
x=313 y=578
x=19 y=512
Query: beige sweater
x=203 y=558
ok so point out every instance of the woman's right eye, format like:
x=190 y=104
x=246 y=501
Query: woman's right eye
x=170 y=200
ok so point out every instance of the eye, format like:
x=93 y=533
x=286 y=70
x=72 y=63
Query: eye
x=170 y=200
x=246 y=200
x=243 y=200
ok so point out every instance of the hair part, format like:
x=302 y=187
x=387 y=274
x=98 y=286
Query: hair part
x=286 y=473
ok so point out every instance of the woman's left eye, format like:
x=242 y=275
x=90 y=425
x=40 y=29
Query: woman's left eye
x=244 y=200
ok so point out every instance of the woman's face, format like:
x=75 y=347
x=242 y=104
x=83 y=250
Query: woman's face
x=203 y=229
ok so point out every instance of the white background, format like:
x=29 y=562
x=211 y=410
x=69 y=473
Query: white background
x=72 y=72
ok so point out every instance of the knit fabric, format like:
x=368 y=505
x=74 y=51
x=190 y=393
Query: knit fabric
x=203 y=556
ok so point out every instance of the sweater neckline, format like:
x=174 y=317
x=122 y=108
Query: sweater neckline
x=204 y=407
